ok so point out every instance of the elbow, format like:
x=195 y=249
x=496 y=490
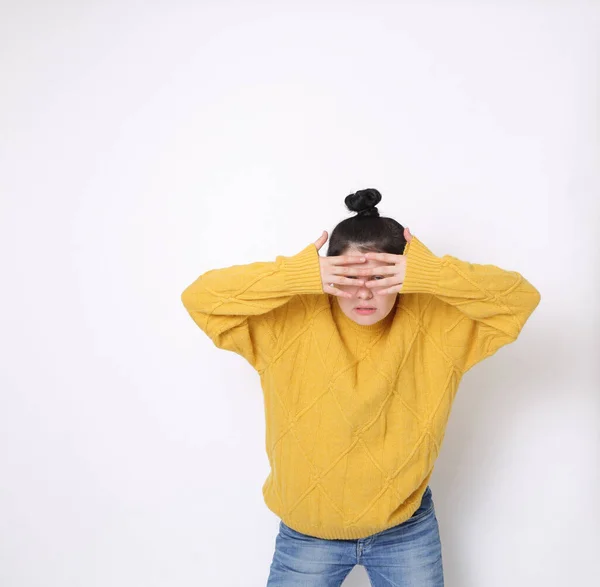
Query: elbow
x=185 y=298
x=533 y=299
x=189 y=299
x=527 y=306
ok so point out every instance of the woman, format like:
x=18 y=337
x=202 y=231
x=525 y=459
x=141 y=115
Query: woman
x=360 y=354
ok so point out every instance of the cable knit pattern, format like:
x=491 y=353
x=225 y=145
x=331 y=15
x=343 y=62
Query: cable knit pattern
x=356 y=415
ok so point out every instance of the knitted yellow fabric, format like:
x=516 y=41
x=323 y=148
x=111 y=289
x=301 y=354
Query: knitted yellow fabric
x=356 y=415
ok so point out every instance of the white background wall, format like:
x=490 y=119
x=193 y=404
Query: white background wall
x=143 y=143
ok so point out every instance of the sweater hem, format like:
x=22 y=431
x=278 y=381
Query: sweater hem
x=351 y=533
x=346 y=533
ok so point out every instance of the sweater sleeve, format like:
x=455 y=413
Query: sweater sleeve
x=484 y=307
x=237 y=306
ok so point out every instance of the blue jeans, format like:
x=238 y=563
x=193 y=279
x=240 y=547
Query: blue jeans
x=406 y=555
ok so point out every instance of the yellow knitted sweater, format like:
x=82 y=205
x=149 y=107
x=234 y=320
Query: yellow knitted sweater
x=356 y=415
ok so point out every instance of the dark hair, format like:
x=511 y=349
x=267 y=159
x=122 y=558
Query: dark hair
x=367 y=231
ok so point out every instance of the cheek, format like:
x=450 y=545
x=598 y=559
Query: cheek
x=390 y=301
x=345 y=303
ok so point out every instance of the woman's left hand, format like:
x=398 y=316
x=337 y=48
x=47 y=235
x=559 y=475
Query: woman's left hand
x=396 y=270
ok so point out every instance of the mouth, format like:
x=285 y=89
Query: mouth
x=364 y=309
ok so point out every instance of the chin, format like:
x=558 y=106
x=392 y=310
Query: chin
x=371 y=319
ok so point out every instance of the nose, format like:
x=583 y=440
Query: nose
x=363 y=292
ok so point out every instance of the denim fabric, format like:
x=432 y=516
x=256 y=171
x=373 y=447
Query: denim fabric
x=406 y=555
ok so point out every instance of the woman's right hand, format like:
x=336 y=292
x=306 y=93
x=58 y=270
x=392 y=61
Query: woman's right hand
x=334 y=270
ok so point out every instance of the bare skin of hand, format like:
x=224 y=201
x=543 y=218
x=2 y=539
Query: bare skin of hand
x=334 y=270
x=396 y=270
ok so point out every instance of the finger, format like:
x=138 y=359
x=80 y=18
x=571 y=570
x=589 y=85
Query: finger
x=381 y=270
x=389 y=290
x=343 y=270
x=387 y=257
x=367 y=272
x=336 y=292
x=344 y=259
x=321 y=240
x=386 y=282
x=341 y=280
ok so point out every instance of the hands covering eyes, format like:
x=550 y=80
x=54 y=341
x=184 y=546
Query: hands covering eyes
x=387 y=279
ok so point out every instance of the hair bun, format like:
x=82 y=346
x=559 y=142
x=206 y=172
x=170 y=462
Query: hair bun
x=364 y=202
